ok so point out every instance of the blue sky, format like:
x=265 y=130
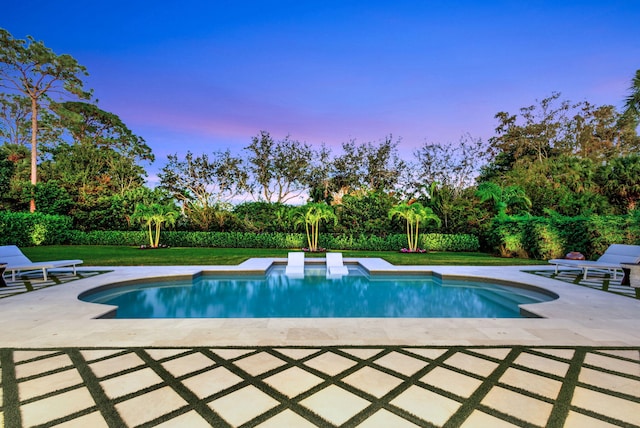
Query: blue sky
x=209 y=75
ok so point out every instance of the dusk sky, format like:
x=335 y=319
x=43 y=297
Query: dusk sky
x=209 y=75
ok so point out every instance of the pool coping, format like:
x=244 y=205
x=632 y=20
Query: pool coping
x=54 y=317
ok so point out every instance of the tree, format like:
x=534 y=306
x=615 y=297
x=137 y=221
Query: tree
x=441 y=200
x=320 y=176
x=14 y=123
x=632 y=103
x=620 y=181
x=533 y=137
x=599 y=133
x=120 y=148
x=154 y=216
x=311 y=215
x=368 y=167
x=98 y=158
x=414 y=214
x=202 y=184
x=454 y=166
x=35 y=71
x=280 y=170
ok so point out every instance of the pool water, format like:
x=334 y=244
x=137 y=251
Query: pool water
x=355 y=295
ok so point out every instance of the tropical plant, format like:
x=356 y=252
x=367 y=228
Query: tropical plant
x=153 y=216
x=311 y=215
x=632 y=102
x=503 y=198
x=414 y=214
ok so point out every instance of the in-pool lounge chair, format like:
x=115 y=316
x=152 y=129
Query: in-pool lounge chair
x=609 y=261
x=17 y=262
x=335 y=265
x=295 y=265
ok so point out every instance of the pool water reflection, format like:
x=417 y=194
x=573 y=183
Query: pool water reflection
x=354 y=296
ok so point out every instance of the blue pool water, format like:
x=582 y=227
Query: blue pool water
x=277 y=296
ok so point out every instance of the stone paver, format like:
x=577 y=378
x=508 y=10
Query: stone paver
x=58 y=366
x=66 y=390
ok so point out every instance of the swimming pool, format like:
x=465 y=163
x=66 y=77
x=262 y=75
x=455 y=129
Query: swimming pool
x=275 y=295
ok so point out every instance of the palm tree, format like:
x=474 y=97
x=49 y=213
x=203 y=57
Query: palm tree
x=312 y=214
x=153 y=216
x=632 y=103
x=414 y=214
x=503 y=198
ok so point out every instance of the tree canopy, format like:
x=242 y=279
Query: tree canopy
x=29 y=68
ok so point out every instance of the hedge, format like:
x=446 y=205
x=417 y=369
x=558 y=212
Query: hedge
x=432 y=241
x=29 y=229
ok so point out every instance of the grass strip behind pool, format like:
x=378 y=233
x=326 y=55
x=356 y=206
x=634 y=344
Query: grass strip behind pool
x=104 y=255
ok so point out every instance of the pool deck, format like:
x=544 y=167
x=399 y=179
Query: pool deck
x=577 y=366
x=580 y=316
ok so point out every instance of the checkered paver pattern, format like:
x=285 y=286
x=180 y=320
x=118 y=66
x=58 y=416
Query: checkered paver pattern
x=321 y=386
x=598 y=280
x=31 y=281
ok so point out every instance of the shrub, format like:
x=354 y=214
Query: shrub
x=542 y=240
x=29 y=229
x=506 y=236
x=555 y=235
x=450 y=242
x=434 y=241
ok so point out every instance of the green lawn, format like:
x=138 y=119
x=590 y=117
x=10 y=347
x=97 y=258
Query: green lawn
x=102 y=255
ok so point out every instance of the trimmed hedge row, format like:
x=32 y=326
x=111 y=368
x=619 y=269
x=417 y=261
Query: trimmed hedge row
x=433 y=241
x=27 y=229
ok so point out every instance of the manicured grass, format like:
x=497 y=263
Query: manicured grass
x=102 y=255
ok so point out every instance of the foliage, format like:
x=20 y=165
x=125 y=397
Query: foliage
x=512 y=197
x=51 y=198
x=153 y=217
x=14 y=119
x=102 y=145
x=31 y=69
x=577 y=159
x=450 y=242
x=280 y=169
x=311 y=215
x=632 y=102
x=449 y=168
x=555 y=235
x=366 y=212
x=533 y=134
x=204 y=180
x=559 y=152
x=321 y=187
x=265 y=217
x=433 y=241
x=367 y=167
x=414 y=214
x=620 y=181
x=26 y=229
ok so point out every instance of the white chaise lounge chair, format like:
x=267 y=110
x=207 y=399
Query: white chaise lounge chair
x=295 y=264
x=17 y=262
x=609 y=261
x=335 y=265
